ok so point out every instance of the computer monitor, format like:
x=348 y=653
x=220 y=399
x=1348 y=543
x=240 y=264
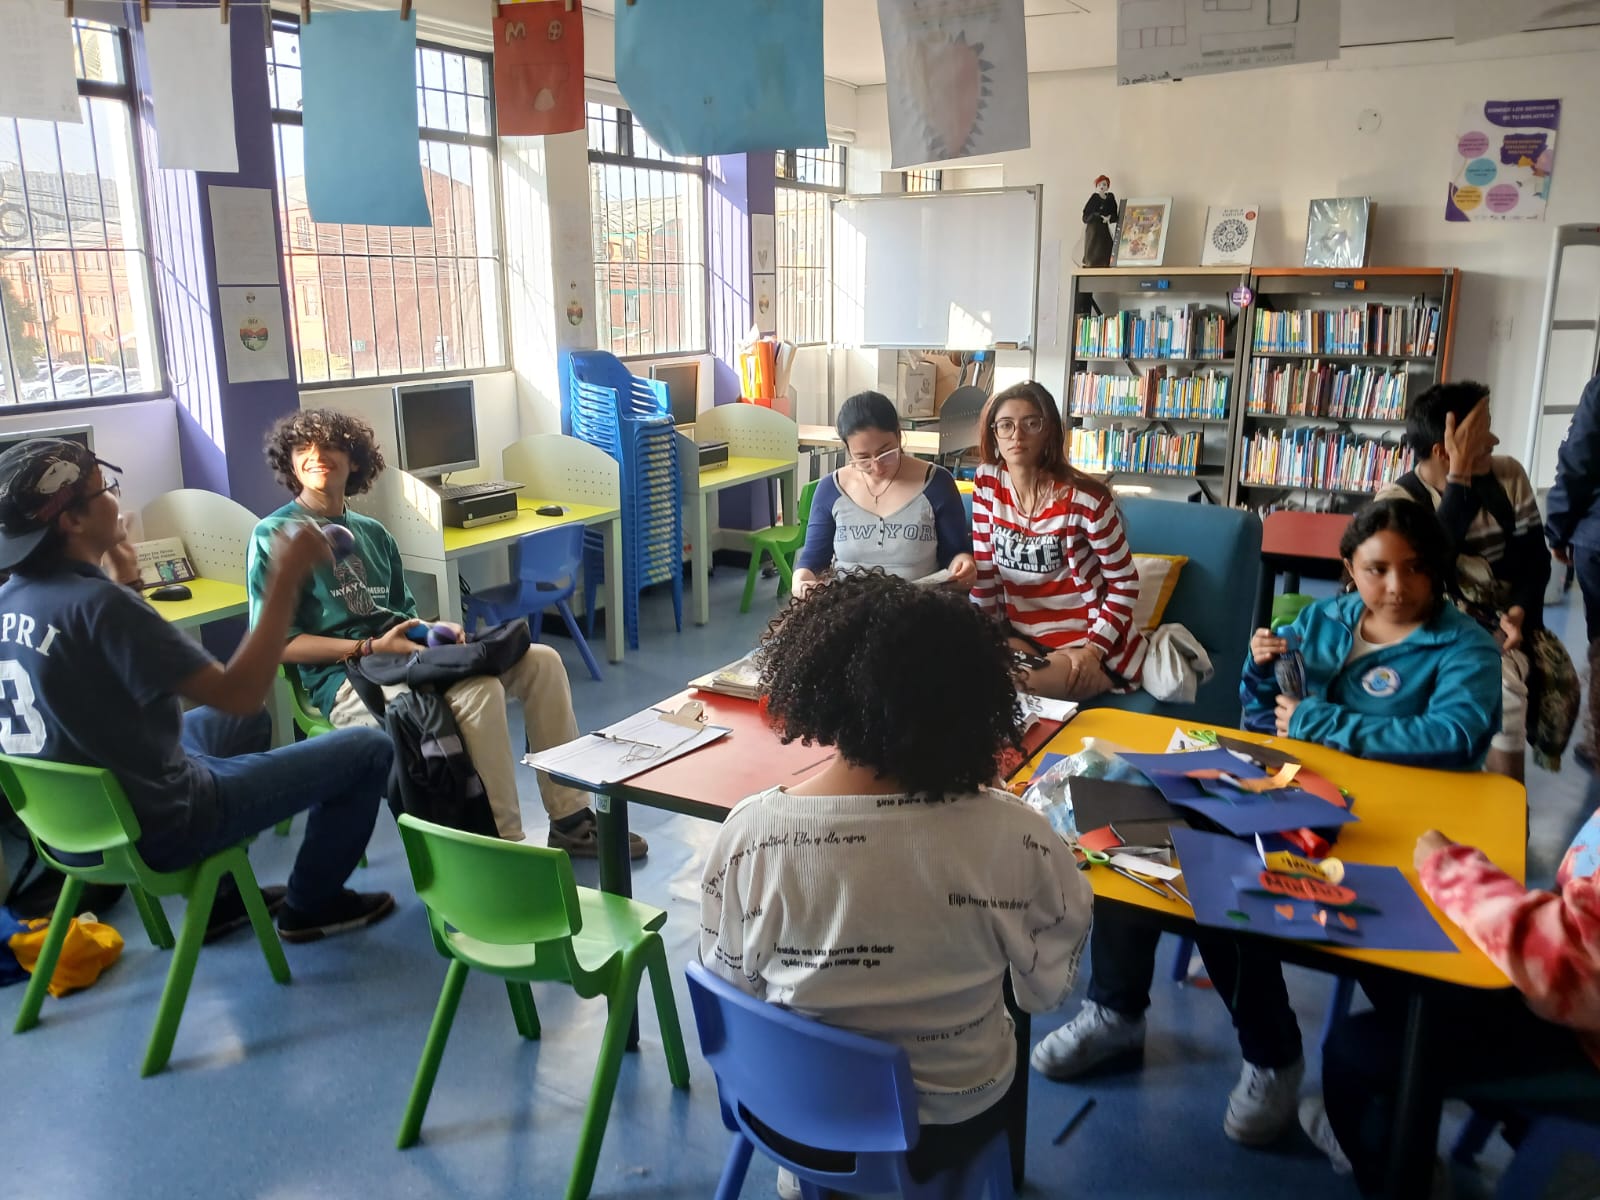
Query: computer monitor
x=683 y=389
x=436 y=427
x=83 y=434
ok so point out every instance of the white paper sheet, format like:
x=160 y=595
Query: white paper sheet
x=765 y=302
x=241 y=227
x=621 y=751
x=1178 y=39
x=191 y=83
x=763 y=254
x=38 y=74
x=957 y=77
x=255 y=342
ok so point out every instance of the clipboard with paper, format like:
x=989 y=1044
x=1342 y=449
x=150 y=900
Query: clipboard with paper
x=630 y=746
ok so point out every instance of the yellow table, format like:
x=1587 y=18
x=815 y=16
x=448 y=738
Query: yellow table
x=459 y=543
x=1395 y=804
x=709 y=480
x=212 y=600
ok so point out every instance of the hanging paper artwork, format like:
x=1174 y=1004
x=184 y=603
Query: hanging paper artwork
x=724 y=76
x=538 y=69
x=359 y=92
x=957 y=78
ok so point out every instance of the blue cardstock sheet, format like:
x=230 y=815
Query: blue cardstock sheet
x=1211 y=863
x=1240 y=813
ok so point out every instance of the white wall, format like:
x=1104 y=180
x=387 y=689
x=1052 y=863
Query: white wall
x=141 y=438
x=1281 y=137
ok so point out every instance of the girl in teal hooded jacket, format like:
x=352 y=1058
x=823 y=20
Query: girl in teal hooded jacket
x=1392 y=671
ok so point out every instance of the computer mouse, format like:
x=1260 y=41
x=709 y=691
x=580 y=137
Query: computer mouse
x=172 y=591
x=551 y=510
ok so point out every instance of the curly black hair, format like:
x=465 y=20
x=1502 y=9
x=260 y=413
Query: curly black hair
x=911 y=681
x=325 y=427
x=1420 y=526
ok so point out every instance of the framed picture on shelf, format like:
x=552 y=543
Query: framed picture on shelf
x=1230 y=239
x=1336 y=231
x=1142 y=232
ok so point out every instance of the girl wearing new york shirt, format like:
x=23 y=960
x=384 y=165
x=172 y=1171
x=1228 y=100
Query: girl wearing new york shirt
x=1053 y=561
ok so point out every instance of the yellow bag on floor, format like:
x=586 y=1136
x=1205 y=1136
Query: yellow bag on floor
x=90 y=947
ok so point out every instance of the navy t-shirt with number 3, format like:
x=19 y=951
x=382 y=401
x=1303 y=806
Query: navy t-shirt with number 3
x=89 y=674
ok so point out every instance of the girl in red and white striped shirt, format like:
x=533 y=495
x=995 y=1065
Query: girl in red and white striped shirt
x=1052 y=558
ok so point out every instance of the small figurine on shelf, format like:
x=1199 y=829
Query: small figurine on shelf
x=1099 y=215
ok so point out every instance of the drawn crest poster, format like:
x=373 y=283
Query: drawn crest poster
x=957 y=73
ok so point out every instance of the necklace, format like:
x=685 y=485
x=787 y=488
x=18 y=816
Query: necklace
x=881 y=492
x=1036 y=496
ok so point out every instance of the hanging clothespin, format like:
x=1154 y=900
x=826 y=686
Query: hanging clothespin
x=305 y=12
x=222 y=7
x=69 y=10
x=496 y=9
x=405 y=10
x=144 y=11
x=569 y=5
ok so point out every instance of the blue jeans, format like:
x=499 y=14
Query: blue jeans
x=338 y=779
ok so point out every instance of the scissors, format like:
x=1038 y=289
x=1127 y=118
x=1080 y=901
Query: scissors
x=1089 y=858
x=1206 y=737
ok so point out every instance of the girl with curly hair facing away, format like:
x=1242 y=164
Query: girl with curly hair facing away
x=1053 y=561
x=890 y=893
x=360 y=605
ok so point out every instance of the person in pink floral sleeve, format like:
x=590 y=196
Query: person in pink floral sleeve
x=1547 y=943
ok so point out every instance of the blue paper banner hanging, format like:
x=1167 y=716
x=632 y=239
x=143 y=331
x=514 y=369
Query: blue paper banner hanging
x=724 y=76
x=359 y=84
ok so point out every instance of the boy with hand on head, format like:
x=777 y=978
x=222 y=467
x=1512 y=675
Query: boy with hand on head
x=93 y=675
x=1486 y=504
x=360 y=605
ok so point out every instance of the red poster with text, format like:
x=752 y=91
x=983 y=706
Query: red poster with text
x=538 y=68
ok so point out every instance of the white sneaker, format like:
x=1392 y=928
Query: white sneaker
x=1261 y=1105
x=788 y=1184
x=1314 y=1120
x=1096 y=1035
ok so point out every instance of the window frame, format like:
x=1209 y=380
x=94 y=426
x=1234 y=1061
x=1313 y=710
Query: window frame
x=936 y=175
x=289 y=21
x=127 y=93
x=624 y=156
x=785 y=173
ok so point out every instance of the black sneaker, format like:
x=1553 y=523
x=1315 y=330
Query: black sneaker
x=348 y=910
x=227 y=910
x=583 y=840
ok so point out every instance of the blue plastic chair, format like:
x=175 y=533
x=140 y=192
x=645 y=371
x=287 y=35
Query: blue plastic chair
x=1557 y=1158
x=844 y=1094
x=546 y=573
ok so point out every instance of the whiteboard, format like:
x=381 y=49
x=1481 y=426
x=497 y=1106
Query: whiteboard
x=949 y=270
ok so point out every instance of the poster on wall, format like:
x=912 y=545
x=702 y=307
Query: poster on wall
x=1505 y=155
x=538 y=69
x=957 y=78
x=257 y=347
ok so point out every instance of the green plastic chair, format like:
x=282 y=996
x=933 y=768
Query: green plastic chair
x=308 y=719
x=511 y=909
x=782 y=542
x=82 y=810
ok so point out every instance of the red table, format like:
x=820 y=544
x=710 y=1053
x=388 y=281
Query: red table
x=1296 y=543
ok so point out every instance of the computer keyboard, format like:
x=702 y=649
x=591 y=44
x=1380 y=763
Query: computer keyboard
x=467 y=491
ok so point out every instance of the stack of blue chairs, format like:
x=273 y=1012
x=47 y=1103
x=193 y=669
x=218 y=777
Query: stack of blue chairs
x=630 y=419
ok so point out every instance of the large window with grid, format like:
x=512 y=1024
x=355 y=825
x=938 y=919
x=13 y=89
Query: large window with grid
x=802 y=236
x=647 y=224
x=74 y=268
x=373 y=301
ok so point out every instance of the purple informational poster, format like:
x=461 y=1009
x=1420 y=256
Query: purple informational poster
x=1505 y=154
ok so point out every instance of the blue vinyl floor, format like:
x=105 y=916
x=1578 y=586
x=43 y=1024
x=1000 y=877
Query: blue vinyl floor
x=285 y=1093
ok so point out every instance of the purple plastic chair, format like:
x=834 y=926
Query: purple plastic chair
x=848 y=1096
x=546 y=573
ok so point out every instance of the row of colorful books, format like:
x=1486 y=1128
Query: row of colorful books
x=1202 y=397
x=1321 y=458
x=1358 y=392
x=1398 y=329
x=1146 y=450
x=1158 y=334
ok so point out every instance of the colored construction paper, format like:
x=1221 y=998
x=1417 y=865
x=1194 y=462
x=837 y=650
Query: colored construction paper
x=359 y=88
x=956 y=76
x=1103 y=838
x=1398 y=920
x=1097 y=802
x=191 y=90
x=724 y=76
x=538 y=69
x=1239 y=812
x=38 y=76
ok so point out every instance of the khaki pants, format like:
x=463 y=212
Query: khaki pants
x=1513 y=734
x=479 y=707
